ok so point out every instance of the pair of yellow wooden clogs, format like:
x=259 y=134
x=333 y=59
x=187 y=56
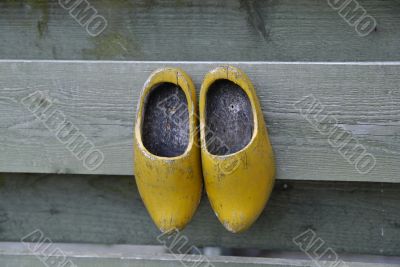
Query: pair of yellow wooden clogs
x=236 y=155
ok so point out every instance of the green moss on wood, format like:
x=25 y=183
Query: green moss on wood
x=113 y=45
x=42 y=6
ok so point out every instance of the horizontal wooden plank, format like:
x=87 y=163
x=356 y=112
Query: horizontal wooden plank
x=87 y=255
x=279 y=30
x=99 y=98
x=352 y=218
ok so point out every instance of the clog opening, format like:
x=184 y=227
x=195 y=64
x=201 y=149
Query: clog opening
x=229 y=118
x=165 y=128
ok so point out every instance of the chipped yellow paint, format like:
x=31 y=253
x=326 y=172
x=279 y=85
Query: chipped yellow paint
x=238 y=185
x=169 y=186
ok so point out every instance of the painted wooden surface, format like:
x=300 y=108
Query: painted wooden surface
x=271 y=30
x=99 y=98
x=356 y=218
x=86 y=255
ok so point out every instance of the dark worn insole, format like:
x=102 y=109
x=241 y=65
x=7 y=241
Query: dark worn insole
x=229 y=118
x=165 y=130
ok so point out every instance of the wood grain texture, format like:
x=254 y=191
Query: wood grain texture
x=355 y=218
x=269 y=30
x=171 y=261
x=91 y=255
x=99 y=98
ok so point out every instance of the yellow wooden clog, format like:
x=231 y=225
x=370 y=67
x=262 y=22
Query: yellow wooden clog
x=166 y=152
x=237 y=157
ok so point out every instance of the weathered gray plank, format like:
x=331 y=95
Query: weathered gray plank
x=356 y=218
x=273 y=30
x=100 y=99
x=84 y=255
